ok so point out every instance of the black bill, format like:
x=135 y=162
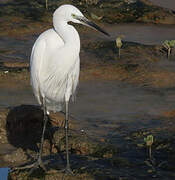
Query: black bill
x=85 y=21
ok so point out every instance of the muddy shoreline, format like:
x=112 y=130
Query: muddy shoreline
x=120 y=101
x=138 y=103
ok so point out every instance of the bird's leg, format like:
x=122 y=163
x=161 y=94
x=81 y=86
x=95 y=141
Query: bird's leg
x=68 y=169
x=66 y=134
x=39 y=162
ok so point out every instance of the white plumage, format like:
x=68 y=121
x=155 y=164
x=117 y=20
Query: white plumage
x=55 y=64
x=55 y=67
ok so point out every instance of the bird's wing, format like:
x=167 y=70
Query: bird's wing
x=75 y=76
x=36 y=60
x=58 y=77
x=40 y=60
x=52 y=68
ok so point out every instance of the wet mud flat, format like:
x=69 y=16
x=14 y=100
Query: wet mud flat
x=120 y=100
x=106 y=140
x=119 y=103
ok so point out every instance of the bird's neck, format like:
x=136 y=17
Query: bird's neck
x=68 y=34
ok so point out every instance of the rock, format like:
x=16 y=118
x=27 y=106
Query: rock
x=21 y=128
x=17 y=156
x=3 y=133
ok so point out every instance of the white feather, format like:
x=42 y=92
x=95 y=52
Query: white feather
x=54 y=68
x=55 y=62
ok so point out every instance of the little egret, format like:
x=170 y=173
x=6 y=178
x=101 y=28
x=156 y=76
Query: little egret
x=55 y=66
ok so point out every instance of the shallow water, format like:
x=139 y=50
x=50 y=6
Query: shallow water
x=15 y=97
x=12 y=49
x=102 y=106
x=141 y=33
x=19 y=50
x=164 y=3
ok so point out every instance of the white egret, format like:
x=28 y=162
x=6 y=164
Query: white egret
x=55 y=66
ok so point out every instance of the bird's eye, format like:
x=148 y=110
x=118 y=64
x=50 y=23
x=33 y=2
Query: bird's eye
x=73 y=15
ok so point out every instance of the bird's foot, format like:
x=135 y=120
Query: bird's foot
x=38 y=164
x=67 y=171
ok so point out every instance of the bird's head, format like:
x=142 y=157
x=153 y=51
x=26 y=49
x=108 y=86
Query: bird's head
x=70 y=13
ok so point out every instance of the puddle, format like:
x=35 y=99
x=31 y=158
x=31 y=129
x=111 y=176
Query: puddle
x=4 y=173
